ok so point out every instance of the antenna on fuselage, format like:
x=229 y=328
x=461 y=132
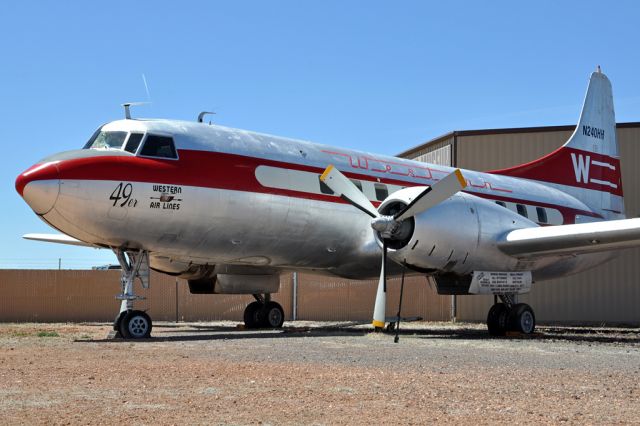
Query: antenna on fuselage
x=202 y=114
x=127 y=108
x=146 y=87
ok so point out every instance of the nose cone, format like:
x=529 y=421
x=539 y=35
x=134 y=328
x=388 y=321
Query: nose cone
x=40 y=186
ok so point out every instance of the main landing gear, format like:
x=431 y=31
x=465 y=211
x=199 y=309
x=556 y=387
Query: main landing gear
x=510 y=316
x=130 y=323
x=263 y=313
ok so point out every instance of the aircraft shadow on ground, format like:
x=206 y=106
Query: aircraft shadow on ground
x=203 y=332
x=220 y=333
x=543 y=333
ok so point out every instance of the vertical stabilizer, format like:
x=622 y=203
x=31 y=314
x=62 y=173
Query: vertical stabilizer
x=596 y=131
x=587 y=166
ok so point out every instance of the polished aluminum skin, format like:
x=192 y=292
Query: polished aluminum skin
x=218 y=226
x=258 y=227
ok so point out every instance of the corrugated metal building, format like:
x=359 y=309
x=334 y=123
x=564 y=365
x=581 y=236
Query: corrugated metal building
x=606 y=294
x=68 y=295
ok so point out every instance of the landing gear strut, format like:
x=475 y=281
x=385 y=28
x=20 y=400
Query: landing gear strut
x=130 y=323
x=510 y=316
x=263 y=313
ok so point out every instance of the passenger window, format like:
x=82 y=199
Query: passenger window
x=134 y=142
x=542 y=215
x=324 y=188
x=522 y=210
x=159 y=146
x=381 y=191
x=357 y=183
x=501 y=203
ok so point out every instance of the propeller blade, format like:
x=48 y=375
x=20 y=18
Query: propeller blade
x=433 y=195
x=345 y=189
x=379 y=309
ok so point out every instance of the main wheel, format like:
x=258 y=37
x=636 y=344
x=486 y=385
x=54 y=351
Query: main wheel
x=497 y=319
x=252 y=317
x=522 y=319
x=273 y=315
x=136 y=325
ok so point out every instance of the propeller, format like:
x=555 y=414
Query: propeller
x=387 y=226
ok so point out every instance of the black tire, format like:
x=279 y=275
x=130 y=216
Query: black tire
x=522 y=319
x=273 y=316
x=117 y=323
x=136 y=325
x=497 y=319
x=252 y=317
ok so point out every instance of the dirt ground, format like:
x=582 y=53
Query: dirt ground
x=317 y=373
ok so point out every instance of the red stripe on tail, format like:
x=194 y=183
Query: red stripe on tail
x=572 y=167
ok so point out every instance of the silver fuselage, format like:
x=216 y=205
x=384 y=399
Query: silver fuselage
x=235 y=197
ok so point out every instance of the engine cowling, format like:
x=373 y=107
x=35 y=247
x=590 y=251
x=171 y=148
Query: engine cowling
x=456 y=236
x=236 y=284
x=220 y=279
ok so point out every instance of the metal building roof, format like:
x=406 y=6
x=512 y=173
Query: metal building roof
x=479 y=132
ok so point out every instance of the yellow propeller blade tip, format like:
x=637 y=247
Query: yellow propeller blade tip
x=461 y=179
x=377 y=324
x=326 y=172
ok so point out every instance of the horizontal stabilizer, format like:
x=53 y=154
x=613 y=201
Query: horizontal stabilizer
x=572 y=239
x=58 y=238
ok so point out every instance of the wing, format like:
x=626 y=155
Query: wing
x=572 y=239
x=58 y=238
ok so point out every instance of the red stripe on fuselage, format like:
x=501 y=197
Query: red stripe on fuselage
x=195 y=168
x=226 y=171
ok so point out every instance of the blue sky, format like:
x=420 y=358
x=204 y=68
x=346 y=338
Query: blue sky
x=375 y=75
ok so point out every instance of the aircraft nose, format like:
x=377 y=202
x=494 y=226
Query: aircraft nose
x=40 y=186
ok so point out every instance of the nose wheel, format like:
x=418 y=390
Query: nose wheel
x=131 y=323
x=263 y=313
x=134 y=325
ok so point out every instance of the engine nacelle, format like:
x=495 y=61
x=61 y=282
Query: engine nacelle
x=247 y=284
x=221 y=279
x=457 y=236
x=236 y=284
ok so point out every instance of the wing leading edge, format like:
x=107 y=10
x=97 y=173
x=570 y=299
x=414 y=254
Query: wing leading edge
x=572 y=239
x=59 y=239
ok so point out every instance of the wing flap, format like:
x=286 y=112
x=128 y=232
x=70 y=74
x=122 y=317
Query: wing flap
x=59 y=239
x=572 y=239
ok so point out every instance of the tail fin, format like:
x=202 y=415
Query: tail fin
x=588 y=165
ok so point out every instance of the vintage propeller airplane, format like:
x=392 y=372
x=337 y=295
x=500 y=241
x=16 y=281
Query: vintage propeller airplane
x=229 y=210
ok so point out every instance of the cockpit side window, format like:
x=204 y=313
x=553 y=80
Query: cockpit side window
x=134 y=142
x=159 y=146
x=106 y=140
x=91 y=139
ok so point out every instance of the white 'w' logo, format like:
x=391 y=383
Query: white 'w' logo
x=581 y=167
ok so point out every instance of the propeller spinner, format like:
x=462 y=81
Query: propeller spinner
x=387 y=226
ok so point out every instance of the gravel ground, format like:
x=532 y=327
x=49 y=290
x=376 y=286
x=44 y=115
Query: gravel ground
x=317 y=373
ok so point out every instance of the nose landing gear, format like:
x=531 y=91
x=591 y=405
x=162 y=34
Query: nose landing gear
x=510 y=316
x=263 y=313
x=130 y=323
x=134 y=325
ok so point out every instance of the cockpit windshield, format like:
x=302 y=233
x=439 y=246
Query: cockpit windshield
x=137 y=142
x=106 y=140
